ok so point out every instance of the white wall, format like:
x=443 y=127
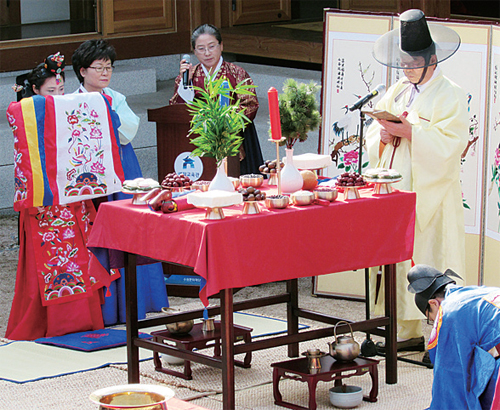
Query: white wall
x=36 y=11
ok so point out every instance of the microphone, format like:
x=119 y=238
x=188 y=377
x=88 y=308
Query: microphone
x=185 y=74
x=363 y=100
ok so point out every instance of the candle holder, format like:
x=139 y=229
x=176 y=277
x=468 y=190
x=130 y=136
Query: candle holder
x=278 y=166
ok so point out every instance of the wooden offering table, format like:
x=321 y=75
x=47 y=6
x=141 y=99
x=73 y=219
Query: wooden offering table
x=198 y=339
x=245 y=250
x=298 y=369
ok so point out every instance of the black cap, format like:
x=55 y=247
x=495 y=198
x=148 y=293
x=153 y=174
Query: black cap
x=415 y=38
x=425 y=281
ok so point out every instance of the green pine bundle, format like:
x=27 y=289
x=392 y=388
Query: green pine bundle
x=299 y=111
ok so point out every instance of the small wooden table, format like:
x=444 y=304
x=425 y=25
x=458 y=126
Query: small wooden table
x=197 y=339
x=298 y=369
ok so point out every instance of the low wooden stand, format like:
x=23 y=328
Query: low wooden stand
x=197 y=339
x=298 y=369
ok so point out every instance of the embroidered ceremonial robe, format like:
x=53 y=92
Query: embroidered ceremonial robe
x=252 y=153
x=65 y=150
x=467 y=327
x=430 y=166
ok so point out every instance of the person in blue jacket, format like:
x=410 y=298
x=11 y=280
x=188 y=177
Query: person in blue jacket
x=93 y=65
x=465 y=340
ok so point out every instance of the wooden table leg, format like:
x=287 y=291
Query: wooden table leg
x=312 y=383
x=372 y=397
x=132 y=317
x=292 y=319
x=227 y=337
x=247 y=338
x=278 y=398
x=391 y=329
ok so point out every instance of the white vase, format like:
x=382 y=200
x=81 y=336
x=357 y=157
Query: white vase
x=221 y=181
x=291 y=179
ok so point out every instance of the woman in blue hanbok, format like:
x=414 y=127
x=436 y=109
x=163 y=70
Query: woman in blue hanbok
x=93 y=65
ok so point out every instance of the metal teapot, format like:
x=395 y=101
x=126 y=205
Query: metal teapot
x=344 y=348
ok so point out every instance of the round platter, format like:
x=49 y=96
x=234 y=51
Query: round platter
x=137 y=199
x=383 y=185
x=383 y=180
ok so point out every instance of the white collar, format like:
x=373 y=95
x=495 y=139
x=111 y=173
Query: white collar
x=82 y=89
x=436 y=72
x=219 y=64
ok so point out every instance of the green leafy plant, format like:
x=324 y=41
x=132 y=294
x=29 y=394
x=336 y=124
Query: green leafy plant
x=299 y=112
x=217 y=126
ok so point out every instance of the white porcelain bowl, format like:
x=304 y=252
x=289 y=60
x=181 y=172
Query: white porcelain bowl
x=348 y=400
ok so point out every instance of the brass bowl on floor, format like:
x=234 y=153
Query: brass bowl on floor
x=178 y=328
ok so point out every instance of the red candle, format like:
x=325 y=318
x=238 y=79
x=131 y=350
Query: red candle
x=274 y=113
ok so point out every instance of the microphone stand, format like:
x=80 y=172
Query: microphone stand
x=360 y=153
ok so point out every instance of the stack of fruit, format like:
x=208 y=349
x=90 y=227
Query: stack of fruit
x=350 y=179
x=173 y=180
x=252 y=194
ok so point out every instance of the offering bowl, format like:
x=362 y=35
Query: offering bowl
x=276 y=201
x=302 y=198
x=133 y=396
x=201 y=185
x=178 y=328
x=254 y=180
x=235 y=181
x=330 y=194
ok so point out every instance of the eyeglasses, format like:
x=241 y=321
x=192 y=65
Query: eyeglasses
x=103 y=69
x=427 y=311
x=203 y=50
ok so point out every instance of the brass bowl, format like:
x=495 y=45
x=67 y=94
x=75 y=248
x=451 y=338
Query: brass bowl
x=254 y=180
x=276 y=201
x=178 y=328
x=330 y=194
x=235 y=181
x=302 y=198
x=201 y=185
x=133 y=396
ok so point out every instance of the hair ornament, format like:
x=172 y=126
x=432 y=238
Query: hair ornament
x=55 y=64
x=17 y=88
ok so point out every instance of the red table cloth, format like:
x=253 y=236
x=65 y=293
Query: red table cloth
x=277 y=244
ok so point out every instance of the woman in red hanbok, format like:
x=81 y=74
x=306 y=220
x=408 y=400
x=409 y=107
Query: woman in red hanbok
x=207 y=45
x=52 y=238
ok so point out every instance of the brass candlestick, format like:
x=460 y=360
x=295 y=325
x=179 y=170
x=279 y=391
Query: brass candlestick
x=278 y=166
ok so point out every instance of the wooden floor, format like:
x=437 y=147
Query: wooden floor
x=294 y=41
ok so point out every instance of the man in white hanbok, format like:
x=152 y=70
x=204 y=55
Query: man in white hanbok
x=425 y=147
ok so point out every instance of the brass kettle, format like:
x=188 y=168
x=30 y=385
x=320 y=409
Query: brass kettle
x=344 y=348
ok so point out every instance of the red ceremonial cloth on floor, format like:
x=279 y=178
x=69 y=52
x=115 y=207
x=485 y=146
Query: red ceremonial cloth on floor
x=70 y=309
x=277 y=244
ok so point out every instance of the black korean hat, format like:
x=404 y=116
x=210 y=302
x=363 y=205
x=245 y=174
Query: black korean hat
x=415 y=38
x=425 y=281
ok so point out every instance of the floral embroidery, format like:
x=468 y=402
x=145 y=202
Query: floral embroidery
x=72 y=119
x=62 y=259
x=86 y=171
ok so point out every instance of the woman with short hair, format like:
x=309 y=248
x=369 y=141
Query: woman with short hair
x=93 y=64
